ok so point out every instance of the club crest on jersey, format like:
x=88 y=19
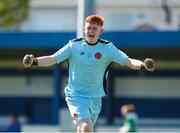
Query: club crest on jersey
x=98 y=55
x=82 y=53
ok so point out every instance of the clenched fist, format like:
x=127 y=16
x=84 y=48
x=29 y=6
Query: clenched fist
x=149 y=64
x=28 y=60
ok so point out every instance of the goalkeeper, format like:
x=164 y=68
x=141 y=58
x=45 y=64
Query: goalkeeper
x=89 y=60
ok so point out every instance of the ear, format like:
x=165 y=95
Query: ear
x=84 y=28
x=101 y=30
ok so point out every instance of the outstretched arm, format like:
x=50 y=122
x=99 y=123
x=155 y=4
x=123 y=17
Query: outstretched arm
x=44 y=61
x=121 y=58
x=148 y=64
x=133 y=63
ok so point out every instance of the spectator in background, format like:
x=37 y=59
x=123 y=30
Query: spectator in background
x=15 y=125
x=130 y=118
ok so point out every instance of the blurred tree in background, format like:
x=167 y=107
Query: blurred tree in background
x=13 y=13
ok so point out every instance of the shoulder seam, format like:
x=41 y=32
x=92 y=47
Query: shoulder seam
x=104 y=41
x=77 y=39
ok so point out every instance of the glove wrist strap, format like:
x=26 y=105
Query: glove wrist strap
x=35 y=62
x=142 y=67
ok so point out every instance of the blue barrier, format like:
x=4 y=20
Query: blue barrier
x=144 y=39
x=34 y=40
x=51 y=40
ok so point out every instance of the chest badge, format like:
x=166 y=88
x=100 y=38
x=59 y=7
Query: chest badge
x=82 y=53
x=98 y=55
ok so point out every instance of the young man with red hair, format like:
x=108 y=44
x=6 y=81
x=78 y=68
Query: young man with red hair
x=89 y=60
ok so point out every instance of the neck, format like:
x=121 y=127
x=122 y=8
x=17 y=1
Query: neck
x=92 y=42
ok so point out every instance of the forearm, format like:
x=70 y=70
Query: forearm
x=133 y=64
x=45 y=61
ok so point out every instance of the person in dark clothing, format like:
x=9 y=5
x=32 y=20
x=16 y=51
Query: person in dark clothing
x=15 y=125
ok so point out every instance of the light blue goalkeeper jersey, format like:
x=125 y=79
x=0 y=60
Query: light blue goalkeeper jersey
x=88 y=66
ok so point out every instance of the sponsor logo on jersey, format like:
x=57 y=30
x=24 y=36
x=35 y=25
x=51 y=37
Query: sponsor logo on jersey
x=82 y=53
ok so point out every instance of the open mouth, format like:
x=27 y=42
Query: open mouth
x=91 y=36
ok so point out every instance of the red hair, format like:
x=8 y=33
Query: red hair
x=95 y=19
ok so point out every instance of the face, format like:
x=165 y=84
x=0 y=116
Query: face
x=92 y=32
x=124 y=111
